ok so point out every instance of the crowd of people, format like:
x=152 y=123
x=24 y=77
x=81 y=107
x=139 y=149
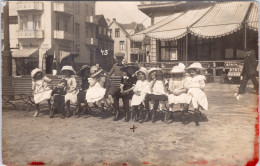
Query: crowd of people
x=148 y=91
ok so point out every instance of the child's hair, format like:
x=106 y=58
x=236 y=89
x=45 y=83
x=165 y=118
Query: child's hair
x=37 y=74
x=196 y=70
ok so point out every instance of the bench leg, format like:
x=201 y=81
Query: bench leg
x=8 y=101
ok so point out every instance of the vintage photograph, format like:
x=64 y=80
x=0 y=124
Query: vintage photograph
x=130 y=83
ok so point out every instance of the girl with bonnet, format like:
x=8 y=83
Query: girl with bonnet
x=41 y=87
x=177 y=90
x=71 y=88
x=196 y=85
x=140 y=90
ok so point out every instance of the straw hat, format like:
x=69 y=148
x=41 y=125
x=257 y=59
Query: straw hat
x=83 y=69
x=152 y=70
x=127 y=66
x=35 y=71
x=195 y=65
x=68 y=68
x=94 y=71
x=143 y=70
x=177 y=70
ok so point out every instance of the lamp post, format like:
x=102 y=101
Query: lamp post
x=6 y=53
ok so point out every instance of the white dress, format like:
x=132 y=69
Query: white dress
x=41 y=90
x=158 y=88
x=72 y=90
x=143 y=87
x=177 y=84
x=95 y=92
x=196 y=86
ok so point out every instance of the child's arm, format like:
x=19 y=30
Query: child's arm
x=130 y=89
x=33 y=85
x=202 y=84
x=73 y=85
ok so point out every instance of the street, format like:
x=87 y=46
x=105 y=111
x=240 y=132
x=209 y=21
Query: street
x=227 y=138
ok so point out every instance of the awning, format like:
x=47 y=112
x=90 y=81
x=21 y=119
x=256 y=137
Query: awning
x=253 y=17
x=26 y=53
x=138 y=37
x=178 y=27
x=223 y=19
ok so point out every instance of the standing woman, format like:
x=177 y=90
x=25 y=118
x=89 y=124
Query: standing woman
x=41 y=87
x=71 y=88
x=84 y=74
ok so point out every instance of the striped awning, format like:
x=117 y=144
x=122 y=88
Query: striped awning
x=253 y=17
x=26 y=53
x=223 y=19
x=178 y=27
x=138 y=37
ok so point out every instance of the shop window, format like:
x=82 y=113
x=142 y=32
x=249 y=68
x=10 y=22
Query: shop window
x=168 y=51
x=117 y=32
x=122 y=45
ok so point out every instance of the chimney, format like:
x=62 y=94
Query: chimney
x=114 y=19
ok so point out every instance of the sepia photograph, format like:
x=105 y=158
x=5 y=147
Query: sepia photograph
x=130 y=83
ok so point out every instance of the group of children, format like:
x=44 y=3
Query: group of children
x=148 y=90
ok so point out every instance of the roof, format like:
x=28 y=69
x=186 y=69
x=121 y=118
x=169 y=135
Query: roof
x=253 y=17
x=128 y=28
x=98 y=16
x=26 y=53
x=224 y=18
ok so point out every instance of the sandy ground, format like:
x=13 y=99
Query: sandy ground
x=227 y=138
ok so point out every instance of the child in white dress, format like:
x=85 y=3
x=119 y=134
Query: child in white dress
x=41 y=87
x=196 y=85
x=71 y=88
x=140 y=90
x=178 y=90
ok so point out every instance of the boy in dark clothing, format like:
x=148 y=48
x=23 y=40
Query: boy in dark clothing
x=59 y=99
x=126 y=90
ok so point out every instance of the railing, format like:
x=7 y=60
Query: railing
x=30 y=34
x=62 y=7
x=91 y=19
x=59 y=34
x=22 y=6
x=92 y=41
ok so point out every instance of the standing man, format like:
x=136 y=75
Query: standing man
x=116 y=67
x=249 y=72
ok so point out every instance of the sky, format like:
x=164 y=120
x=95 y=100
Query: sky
x=124 y=12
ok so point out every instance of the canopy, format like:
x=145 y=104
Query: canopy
x=223 y=19
x=138 y=37
x=26 y=53
x=178 y=28
x=253 y=17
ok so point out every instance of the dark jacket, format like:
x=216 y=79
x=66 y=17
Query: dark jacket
x=110 y=88
x=84 y=83
x=250 y=65
x=59 y=94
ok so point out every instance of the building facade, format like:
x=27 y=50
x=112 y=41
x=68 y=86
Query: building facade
x=46 y=32
x=105 y=51
x=120 y=34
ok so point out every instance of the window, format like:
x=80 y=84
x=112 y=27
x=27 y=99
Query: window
x=117 y=33
x=36 y=22
x=66 y=25
x=109 y=32
x=104 y=31
x=100 y=30
x=169 y=50
x=77 y=47
x=87 y=13
x=122 y=45
x=87 y=31
x=77 y=6
x=77 y=29
x=23 y=22
x=57 y=23
x=92 y=11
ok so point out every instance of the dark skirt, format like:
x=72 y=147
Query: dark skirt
x=81 y=96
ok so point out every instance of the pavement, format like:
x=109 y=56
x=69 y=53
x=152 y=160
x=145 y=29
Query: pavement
x=226 y=137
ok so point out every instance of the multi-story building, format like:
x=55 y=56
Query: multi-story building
x=105 y=51
x=52 y=31
x=120 y=34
